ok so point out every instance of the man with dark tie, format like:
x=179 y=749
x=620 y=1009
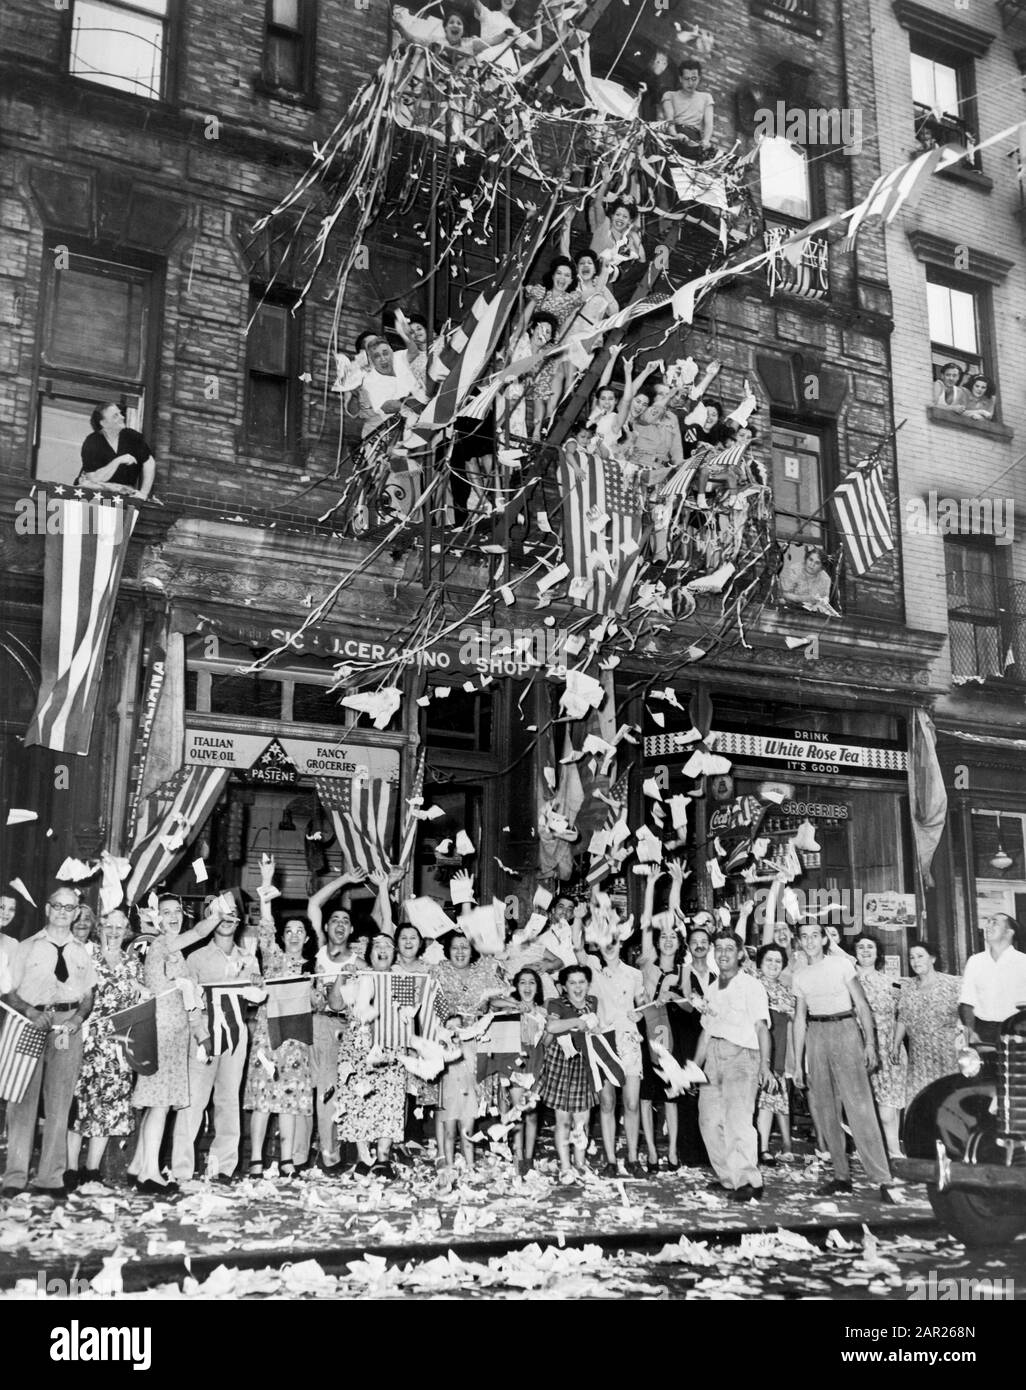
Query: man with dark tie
x=52 y=983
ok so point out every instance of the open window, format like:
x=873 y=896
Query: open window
x=788 y=198
x=99 y=344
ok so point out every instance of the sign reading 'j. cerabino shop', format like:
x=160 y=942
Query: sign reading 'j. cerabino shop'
x=275 y=761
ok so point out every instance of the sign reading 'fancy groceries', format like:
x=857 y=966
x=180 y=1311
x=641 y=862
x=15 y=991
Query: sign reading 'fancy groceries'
x=303 y=757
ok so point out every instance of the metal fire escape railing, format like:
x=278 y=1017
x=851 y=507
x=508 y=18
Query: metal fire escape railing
x=986 y=626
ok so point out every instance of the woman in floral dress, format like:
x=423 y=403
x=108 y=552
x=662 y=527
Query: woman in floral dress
x=928 y=1018
x=890 y=1078
x=103 y=1092
x=371 y=1091
x=282 y=1084
x=166 y=976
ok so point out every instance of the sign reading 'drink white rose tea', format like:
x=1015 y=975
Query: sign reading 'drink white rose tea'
x=303 y=757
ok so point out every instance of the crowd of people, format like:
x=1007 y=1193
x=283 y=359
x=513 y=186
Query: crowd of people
x=403 y=1037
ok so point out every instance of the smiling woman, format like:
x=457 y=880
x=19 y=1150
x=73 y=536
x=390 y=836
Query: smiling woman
x=115 y=458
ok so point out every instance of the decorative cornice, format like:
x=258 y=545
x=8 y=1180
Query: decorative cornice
x=939 y=251
x=942 y=28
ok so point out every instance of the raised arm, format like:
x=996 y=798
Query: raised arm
x=315 y=903
x=382 y=910
x=596 y=208
x=202 y=929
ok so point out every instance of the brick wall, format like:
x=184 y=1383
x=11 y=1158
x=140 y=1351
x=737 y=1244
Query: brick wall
x=953 y=462
x=226 y=185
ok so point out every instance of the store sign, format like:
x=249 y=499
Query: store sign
x=800 y=751
x=280 y=761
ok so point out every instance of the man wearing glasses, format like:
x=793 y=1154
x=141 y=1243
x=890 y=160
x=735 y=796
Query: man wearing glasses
x=52 y=983
x=994 y=984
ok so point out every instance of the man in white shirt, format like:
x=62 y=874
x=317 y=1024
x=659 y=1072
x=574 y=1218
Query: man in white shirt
x=841 y=1055
x=52 y=984
x=217 y=1074
x=994 y=984
x=734 y=1052
x=333 y=959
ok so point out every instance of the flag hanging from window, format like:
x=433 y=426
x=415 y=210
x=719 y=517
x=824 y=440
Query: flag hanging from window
x=602 y=531
x=135 y=1029
x=21 y=1046
x=891 y=192
x=359 y=810
x=87 y=535
x=289 y=1010
x=863 y=520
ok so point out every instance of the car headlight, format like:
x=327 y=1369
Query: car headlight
x=969 y=1061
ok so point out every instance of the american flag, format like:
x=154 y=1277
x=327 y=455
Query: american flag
x=891 y=192
x=359 y=810
x=414 y=802
x=21 y=1046
x=594 y=489
x=863 y=520
x=87 y=537
x=224 y=1017
x=459 y=358
x=189 y=796
x=393 y=992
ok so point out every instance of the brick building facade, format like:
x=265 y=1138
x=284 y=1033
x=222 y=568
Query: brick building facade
x=158 y=192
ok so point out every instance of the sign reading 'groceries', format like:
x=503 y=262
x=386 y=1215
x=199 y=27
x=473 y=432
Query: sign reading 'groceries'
x=305 y=757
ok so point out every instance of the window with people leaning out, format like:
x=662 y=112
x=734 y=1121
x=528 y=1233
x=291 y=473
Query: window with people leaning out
x=957 y=316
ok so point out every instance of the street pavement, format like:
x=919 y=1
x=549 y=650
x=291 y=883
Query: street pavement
x=493 y=1234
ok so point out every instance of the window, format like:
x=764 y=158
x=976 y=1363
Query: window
x=98 y=344
x=943 y=97
x=798 y=491
x=986 y=615
x=289 y=48
x=784 y=179
x=787 y=202
x=954 y=315
x=121 y=45
x=461 y=720
x=272 y=372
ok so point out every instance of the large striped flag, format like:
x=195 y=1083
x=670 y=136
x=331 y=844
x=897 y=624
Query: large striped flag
x=891 y=192
x=168 y=821
x=863 y=520
x=405 y=1005
x=459 y=358
x=21 y=1046
x=359 y=810
x=602 y=531
x=224 y=1016
x=289 y=1009
x=87 y=537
